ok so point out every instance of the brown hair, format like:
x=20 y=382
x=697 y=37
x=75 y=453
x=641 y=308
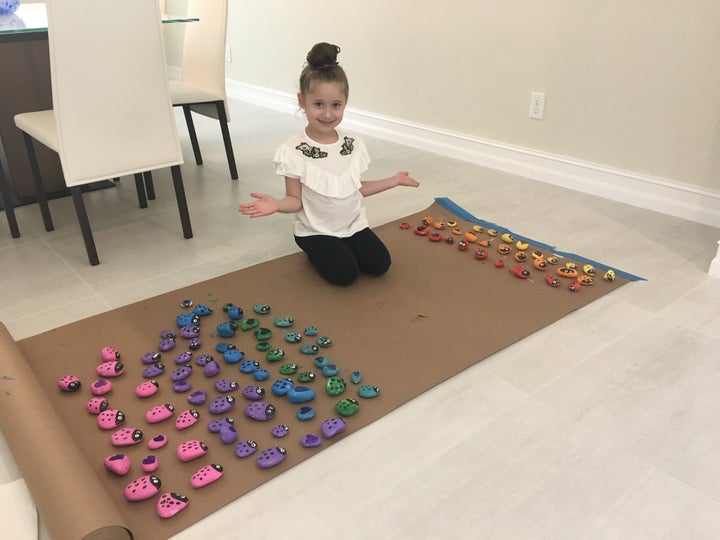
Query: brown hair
x=322 y=65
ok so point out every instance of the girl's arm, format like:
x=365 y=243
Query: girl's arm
x=402 y=178
x=266 y=204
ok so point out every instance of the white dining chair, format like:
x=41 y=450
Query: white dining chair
x=112 y=114
x=202 y=87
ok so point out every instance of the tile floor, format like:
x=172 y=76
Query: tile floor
x=601 y=426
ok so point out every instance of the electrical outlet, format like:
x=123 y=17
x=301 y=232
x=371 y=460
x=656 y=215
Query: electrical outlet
x=228 y=54
x=537 y=105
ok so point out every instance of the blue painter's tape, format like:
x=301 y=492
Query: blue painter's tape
x=460 y=212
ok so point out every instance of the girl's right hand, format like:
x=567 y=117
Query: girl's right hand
x=263 y=206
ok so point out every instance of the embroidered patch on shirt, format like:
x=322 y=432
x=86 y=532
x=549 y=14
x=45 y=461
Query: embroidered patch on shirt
x=310 y=151
x=347 y=146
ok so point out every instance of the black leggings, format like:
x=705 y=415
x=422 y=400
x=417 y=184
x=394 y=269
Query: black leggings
x=341 y=260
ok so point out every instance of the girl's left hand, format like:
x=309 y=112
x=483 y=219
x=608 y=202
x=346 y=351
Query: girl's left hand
x=404 y=179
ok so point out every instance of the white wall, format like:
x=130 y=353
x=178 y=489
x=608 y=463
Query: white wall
x=632 y=86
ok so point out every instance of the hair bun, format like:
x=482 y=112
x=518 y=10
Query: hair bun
x=323 y=56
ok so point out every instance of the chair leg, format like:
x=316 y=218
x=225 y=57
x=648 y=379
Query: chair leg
x=39 y=189
x=193 y=135
x=181 y=201
x=84 y=222
x=140 y=188
x=226 y=139
x=8 y=205
x=149 y=185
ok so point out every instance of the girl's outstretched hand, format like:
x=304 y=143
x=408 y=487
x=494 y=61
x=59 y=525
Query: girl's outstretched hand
x=263 y=206
x=404 y=179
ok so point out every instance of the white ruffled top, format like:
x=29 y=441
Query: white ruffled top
x=331 y=179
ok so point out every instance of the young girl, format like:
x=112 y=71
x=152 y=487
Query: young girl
x=322 y=168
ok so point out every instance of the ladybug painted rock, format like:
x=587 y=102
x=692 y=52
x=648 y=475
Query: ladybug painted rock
x=187 y=319
x=192 y=449
x=186 y=419
x=69 y=383
x=109 y=353
x=159 y=413
x=368 y=391
x=181 y=373
x=166 y=344
x=225 y=385
x=112 y=368
x=261 y=309
x=190 y=331
x=274 y=355
x=233 y=356
x=281 y=387
x=481 y=254
x=126 y=437
x=150 y=357
x=249 y=324
x=253 y=393
x=235 y=313
x=260 y=411
x=262 y=334
x=308 y=348
x=520 y=272
x=279 y=431
x=183 y=358
x=201 y=310
x=226 y=329
x=334 y=386
x=206 y=475
x=170 y=504
x=284 y=322
x=96 y=405
x=245 y=448
x=570 y=273
x=249 y=366
x=332 y=427
x=347 y=407
x=462 y=245
x=203 y=359
x=155 y=370
x=222 y=405
x=142 y=488
x=553 y=281
x=110 y=419
x=271 y=457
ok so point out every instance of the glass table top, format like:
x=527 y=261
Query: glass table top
x=33 y=18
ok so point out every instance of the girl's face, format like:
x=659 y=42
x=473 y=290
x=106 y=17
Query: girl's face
x=324 y=106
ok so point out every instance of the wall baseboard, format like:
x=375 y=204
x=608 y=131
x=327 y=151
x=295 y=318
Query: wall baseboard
x=656 y=194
